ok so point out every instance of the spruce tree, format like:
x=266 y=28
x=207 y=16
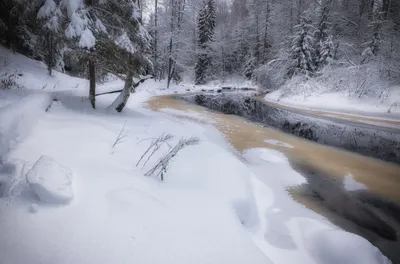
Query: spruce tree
x=324 y=50
x=206 y=26
x=373 y=44
x=302 y=49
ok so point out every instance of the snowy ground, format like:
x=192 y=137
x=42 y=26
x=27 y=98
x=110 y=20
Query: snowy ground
x=341 y=102
x=67 y=195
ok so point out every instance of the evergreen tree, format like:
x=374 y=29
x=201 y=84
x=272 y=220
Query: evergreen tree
x=373 y=43
x=324 y=50
x=206 y=26
x=108 y=33
x=249 y=67
x=302 y=50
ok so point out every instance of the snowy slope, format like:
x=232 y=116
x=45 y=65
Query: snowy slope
x=211 y=208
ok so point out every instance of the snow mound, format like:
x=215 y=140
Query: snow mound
x=331 y=246
x=221 y=174
x=50 y=181
x=351 y=184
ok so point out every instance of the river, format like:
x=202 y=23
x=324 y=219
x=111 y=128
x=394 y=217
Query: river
x=373 y=213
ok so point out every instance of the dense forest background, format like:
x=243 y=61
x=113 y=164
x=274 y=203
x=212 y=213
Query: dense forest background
x=323 y=45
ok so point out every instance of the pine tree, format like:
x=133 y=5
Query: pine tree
x=105 y=33
x=206 y=27
x=249 y=67
x=324 y=50
x=373 y=44
x=302 y=49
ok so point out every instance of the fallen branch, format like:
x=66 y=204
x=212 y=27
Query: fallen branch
x=134 y=86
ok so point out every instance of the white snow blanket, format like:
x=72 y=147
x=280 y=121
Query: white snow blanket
x=50 y=181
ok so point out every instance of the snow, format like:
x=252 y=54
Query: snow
x=327 y=244
x=187 y=218
x=189 y=114
x=50 y=181
x=351 y=184
x=87 y=39
x=278 y=143
x=76 y=28
x=47 y=9
x=19 y=118
x=212 y=206
x=100 y=26
x=272 y=156
x=341 y=102
x=237 y=196
x=290 y=233
x=125 y=43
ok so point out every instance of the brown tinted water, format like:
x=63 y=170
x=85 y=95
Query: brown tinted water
x=373 y=214
x=380 y=177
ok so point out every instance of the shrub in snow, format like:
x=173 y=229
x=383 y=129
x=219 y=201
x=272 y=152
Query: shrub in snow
x=8 y=81
x=154 y=147
x=50 y=181
x=161 y=166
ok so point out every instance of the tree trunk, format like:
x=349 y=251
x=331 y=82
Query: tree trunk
x=50 y=52
x=266 y=44
x=157 y=74
x=123 y=97
x=170 y=61
x=92 y=80
x=258 y=45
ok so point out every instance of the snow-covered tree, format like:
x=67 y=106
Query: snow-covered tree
x=302 y=49
x=206 y=26
x=96 y=28
x=373 y=42
x=249 y=67
x=325 y=47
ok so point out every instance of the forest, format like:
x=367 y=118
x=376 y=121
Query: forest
x=351 y=45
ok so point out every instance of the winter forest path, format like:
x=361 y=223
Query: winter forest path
x=390 y=125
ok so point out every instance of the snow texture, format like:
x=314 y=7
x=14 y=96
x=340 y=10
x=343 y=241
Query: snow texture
x=18 y=119
x=351 y=184
x=272 y=156
x=125 y=43
x=87 y=39
x=50 y=181
x=321 y=98
x=278 y=143
x=211 y=207
x=328 y=244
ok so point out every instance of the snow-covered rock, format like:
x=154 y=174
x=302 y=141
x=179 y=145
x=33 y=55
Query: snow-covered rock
x=50 y=181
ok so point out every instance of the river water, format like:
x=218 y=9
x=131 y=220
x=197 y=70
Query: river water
x=373 y=213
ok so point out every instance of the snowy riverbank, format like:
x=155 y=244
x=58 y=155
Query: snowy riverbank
x=211 y=207
x=341 y=102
